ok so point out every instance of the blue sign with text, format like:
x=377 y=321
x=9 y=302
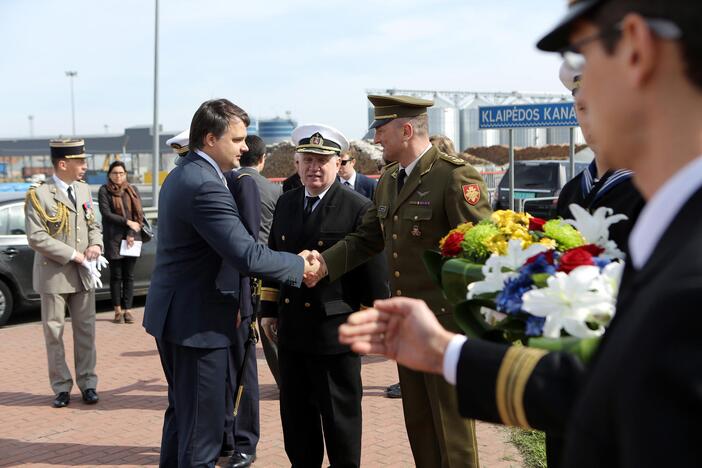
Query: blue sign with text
x=560 y=114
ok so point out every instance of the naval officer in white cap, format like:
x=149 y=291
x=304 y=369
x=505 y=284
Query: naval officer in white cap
x=320 y=379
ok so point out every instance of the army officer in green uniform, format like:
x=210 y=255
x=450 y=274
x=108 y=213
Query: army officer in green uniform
x=422 y=194
x=62 y=231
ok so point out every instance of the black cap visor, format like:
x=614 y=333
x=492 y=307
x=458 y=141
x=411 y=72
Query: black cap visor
x=379 y=123
x=558 y=38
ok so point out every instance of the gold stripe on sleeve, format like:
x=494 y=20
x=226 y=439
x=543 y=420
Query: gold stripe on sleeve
x=512 y=377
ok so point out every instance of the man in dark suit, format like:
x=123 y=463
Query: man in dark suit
x=638 y=401
x=252 y=163
x=241 y=432
x=294 y=180
x=320 y=380
x=193 y=321
x=354 y=180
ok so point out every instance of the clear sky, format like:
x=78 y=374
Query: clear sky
x=314 y=58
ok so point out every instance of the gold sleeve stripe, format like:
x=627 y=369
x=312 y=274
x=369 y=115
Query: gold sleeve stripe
x=269 y=294
x=515 y=370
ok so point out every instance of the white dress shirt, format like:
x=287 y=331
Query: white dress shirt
x=660 y=211
x=351 y=180
x=207 y=158
x=320 y=195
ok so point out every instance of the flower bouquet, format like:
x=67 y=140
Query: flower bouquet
x=547 y=284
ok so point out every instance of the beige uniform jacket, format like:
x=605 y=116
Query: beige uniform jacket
x=54 y=230
x=440 y=193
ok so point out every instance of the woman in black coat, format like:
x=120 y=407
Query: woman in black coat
x=122 y=219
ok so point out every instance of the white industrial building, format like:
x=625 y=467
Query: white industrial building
x=455 y=114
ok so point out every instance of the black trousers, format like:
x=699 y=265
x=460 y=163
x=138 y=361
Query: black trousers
x=241 y=433
x=122 y=281
x=320 y=401
x=192 y=424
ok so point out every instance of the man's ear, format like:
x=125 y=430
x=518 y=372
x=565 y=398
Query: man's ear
x=210 y=140
x=407 y=131
x=639 y=49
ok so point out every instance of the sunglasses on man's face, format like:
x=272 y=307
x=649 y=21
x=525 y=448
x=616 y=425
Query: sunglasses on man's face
x=345 y=161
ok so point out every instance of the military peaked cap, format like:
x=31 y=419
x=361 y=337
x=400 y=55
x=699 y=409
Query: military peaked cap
x=388 y=108
x=69 y=149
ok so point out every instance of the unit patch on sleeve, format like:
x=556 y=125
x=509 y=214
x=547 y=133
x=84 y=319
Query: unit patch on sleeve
x=471 y=193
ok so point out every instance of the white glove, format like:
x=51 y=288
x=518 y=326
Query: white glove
x=92 y=267
x=101 y=262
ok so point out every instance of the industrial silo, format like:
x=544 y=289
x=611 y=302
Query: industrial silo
x=276 y=130
x=444 y=120
x=471 y=135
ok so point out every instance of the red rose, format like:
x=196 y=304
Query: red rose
x=452 y=244
x=548 y=255
x=579 y=256
x=594 y=250
x=536 y=224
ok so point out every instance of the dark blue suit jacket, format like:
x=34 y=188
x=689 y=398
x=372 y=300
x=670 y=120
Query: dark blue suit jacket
x=363 y=185
x=199 y=227
x=247 y=198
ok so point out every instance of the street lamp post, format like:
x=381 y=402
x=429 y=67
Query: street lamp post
x=31 y=125
x=155 y=162
x=71 y=75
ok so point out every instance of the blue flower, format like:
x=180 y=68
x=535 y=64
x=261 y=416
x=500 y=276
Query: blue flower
x=539 y=265
x=602 y=262
x=535 y=326
x=509 y=300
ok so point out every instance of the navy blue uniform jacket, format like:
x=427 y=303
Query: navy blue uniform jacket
x=198 y=228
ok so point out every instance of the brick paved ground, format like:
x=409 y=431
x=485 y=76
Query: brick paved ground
x=123 y=430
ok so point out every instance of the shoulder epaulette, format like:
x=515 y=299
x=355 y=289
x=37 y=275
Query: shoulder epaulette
x=81 y=181
x=35 y=184
x=453 y=159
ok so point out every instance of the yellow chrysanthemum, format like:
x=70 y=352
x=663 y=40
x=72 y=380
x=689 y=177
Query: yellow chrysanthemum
x=550 y=243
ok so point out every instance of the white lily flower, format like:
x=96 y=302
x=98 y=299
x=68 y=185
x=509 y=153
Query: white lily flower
x=500 y=268
x=571 y=300
x=595 y=227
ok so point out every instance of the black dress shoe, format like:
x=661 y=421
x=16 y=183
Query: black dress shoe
x=241 y=460
x=62 y=399
x=90 y=396
x=393 y=391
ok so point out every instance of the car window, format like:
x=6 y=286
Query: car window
x=12 y=220
x=540 y=176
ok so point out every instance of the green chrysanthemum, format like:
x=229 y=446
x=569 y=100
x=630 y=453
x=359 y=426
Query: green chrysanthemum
x=565 y=235
x=474 y=244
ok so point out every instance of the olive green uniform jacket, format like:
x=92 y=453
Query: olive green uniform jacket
x=440 y=193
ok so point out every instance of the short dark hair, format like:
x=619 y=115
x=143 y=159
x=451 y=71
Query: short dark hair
x=214 y=117
x=113 y=165
x=257 y=148
x=686 y=14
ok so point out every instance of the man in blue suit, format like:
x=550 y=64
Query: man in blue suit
x=193 y=322
x=354 y=180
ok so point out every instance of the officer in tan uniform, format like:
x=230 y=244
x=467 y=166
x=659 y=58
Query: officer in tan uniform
x=65 y=236
x=421 y=195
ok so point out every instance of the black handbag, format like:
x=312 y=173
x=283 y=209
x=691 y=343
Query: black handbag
x=147 y=232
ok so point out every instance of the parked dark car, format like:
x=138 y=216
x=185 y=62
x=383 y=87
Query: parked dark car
x=16 y=260
x=536 y=179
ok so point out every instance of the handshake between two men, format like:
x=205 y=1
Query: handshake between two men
x=315 y=270
x=315 y=267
